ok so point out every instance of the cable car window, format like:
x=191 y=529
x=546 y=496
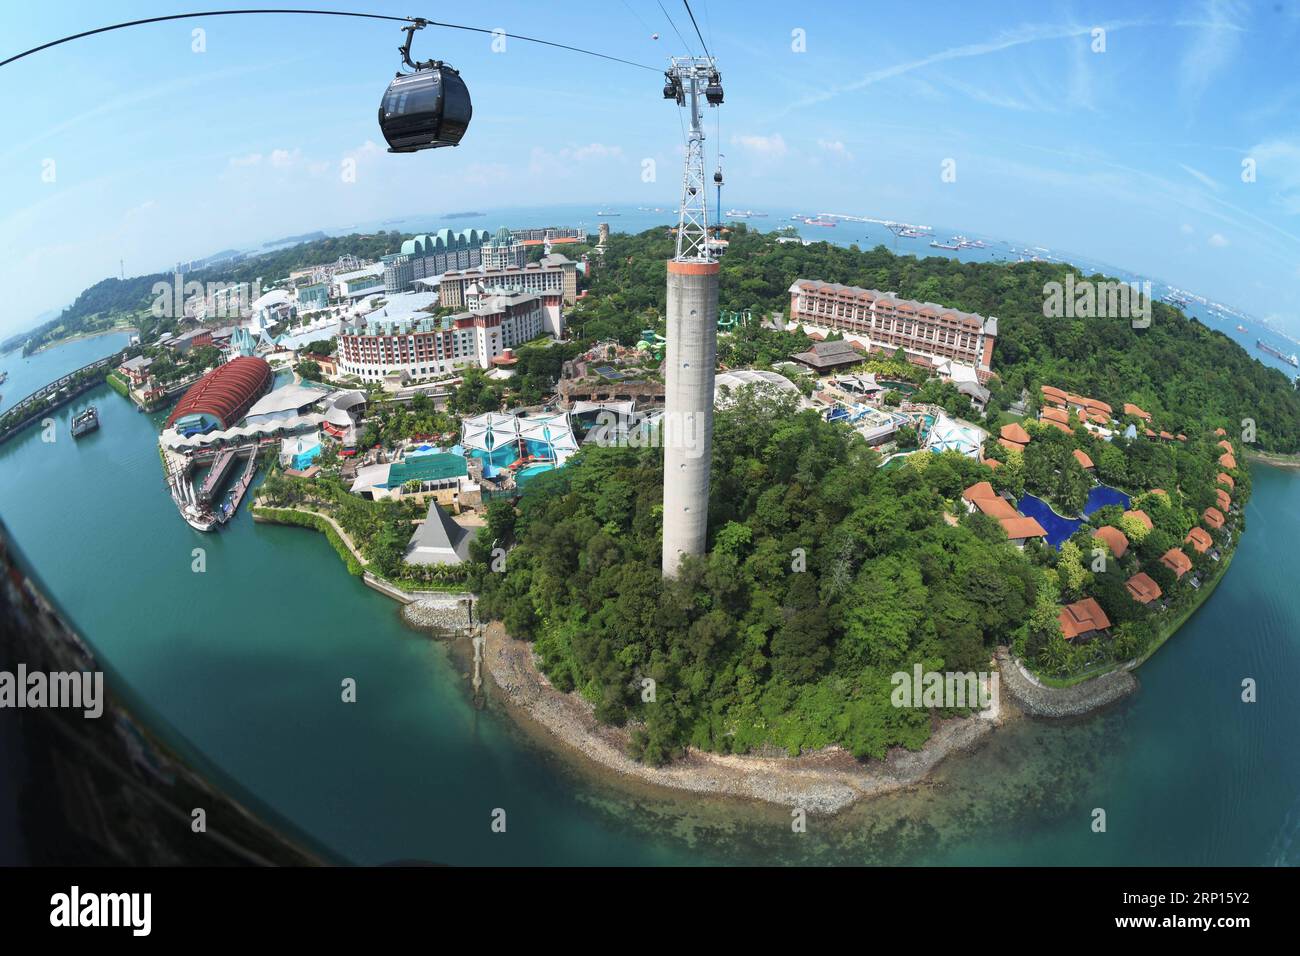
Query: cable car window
x=422 y=94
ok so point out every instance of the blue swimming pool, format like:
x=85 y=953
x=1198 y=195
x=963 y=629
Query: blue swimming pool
x=1103 y=495
x=1059 y=528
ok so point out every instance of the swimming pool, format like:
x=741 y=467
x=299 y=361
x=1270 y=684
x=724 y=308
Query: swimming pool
x=524 y=474
x=1103 y=495
x=1058 y=527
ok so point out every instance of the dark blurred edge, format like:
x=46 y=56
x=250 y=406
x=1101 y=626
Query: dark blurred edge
x=118 y=789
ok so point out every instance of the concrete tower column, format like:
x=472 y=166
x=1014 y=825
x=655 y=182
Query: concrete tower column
x=688 y=405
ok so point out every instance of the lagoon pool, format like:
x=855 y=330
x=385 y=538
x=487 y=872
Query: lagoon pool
x=1103 y=495
x=1058 y=527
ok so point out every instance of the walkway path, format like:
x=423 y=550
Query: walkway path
x=1035 y=697
x=343 y=535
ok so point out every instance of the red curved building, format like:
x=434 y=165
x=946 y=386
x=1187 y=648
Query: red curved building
x=223 y=396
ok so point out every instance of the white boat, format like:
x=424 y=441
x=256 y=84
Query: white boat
x=198 y=520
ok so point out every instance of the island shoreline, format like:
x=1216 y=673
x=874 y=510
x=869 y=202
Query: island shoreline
x=822 y=782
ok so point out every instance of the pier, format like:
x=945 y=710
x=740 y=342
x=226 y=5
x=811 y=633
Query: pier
x=241 y=486
x=216 y=474
x=196 y=505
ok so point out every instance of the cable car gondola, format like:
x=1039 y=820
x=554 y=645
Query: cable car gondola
x=425 y=109
x=713 y=92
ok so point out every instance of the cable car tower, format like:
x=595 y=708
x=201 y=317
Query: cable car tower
x=692 y=329
x=688 y=79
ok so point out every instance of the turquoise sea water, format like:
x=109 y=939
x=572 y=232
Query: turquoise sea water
x=26 y=375
x=246 y=660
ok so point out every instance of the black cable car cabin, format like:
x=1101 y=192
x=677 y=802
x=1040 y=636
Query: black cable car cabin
x=425 y=109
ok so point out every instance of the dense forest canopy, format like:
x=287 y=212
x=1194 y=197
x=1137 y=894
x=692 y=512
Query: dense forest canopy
x=825 y=574
x=825 y=577
x=1178 y=369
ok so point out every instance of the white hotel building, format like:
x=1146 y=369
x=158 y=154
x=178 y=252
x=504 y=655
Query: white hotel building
x=554 y=273
x=400 y=338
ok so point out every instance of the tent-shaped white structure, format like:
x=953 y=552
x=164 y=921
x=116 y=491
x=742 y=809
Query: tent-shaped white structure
x=948 y=435
x=552 y=431
x=489 y=432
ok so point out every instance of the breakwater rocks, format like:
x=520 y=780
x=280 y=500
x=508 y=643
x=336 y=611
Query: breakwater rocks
x=443 y=611
x=825 y=781
x=1043 y=701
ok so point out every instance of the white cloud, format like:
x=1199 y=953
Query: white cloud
x=1217 y=240
x=1198 y=176
x=283 y=158
x=1218 y=35
x=252 y=159
x=543 y=162
x=772 y=146
x=1187 y=229
x=140 y=210
x=835 y=147
x=981 y=94
x=1278 y=165
x=486 y=174
x=1007 y=40
x=597 y=151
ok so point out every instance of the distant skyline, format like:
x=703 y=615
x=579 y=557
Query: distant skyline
x=1174 y=152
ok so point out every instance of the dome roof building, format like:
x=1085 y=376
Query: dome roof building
x=223 y=396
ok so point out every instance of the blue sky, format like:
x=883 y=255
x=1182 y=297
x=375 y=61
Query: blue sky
x=1132 y=155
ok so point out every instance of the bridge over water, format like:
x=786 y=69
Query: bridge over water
x=53 y=388
x=58 y=384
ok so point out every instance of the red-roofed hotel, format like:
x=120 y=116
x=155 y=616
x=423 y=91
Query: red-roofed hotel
x=888 y=322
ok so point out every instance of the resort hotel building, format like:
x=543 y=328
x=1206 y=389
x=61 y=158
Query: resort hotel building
x=554 y=273
x=883 y=322
x=426 y=256
x=403 y=337
x=503 y=251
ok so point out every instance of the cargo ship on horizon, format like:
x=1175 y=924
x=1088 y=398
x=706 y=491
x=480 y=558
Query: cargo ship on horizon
x=1267 y=349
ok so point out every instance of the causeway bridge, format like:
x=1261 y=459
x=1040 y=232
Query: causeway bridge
x=54 y=388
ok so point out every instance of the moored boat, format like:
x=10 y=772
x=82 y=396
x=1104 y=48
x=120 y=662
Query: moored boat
x=85 y=421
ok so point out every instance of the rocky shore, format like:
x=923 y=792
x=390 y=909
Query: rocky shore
x=822 y=782
x=1273 y=459
x=443 y=611
x=1040 y=700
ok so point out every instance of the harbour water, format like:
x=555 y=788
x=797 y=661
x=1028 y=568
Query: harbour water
x=27 y=375
x=246 y=659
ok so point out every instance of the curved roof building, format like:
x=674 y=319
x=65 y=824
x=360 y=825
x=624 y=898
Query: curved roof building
x=223 y=396
x=444 y=240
